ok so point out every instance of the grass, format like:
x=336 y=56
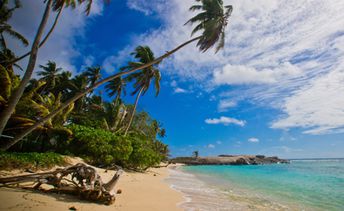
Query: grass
x=32 y=160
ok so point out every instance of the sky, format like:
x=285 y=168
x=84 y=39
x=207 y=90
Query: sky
x=277 y=87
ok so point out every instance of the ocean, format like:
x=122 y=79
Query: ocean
x=310 y=184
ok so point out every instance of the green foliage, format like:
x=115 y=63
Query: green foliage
x=99 y=146
x=10 y=160
x=143 y=155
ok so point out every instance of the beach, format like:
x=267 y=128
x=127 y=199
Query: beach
x=140 y=191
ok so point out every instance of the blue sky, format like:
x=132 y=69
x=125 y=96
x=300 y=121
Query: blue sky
x=277 y=88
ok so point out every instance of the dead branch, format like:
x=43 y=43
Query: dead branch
x=80 y=180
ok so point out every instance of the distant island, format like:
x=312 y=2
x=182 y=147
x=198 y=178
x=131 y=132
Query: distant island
x=229 y=160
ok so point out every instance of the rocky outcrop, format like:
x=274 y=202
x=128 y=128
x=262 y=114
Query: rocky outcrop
x=229 y=160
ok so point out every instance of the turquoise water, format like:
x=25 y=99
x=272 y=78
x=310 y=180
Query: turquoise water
x=305 y=184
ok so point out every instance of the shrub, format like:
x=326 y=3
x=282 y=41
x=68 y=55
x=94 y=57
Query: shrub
x=98 y=146
x=10 y=160
x=143 y=154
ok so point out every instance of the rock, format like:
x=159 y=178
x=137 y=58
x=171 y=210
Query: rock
x=119 y=191
x=241 y=161
x=29 y=171
x=229 y=160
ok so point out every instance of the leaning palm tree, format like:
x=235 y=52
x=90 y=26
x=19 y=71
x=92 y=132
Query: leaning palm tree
x=116 y=87
x=51 y=74
x=93 y=74
x=55 y=5
x=212 y=21
x=142 y=78
x=206 y=39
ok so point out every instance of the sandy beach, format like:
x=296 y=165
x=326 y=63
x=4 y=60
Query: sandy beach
x=140 y=191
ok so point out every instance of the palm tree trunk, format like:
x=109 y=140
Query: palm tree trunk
x=81 y=94
x=133 y=112
x=43 y=41
x=7 y=112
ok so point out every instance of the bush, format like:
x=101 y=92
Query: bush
x=10 y=160
x=98 y=146
x=143 y=154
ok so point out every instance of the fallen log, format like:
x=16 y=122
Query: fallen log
x=81 y=180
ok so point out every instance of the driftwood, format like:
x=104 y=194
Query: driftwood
x=80 y=179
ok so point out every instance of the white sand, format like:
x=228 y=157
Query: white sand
x=140 y=191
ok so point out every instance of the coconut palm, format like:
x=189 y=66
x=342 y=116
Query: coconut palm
x=211 y=22
x=142 y=78
x=64 y=85
x=78 y=84
x=51 y=74
x=116 y=87
x=55 y=5
x=93 y=74
x=5 y=15
x=205 y=37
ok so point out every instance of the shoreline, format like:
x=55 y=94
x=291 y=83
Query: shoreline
x=201 y=193
x=146 y=191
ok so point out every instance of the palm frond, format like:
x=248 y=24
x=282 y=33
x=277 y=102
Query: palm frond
x=17 y=35
x=212 y=22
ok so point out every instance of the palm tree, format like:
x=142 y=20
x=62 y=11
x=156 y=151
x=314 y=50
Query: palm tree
x=50 y=74
x=212 y=22
x=78 y=84
x=116 y=87
x=56 y=5
x=93 y=74
x=205 y=37
x=64 y=85
x=195 y=154
x=5 y=15
x=142 y=78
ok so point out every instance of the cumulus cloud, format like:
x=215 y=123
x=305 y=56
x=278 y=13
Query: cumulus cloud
x=275 y=50
x=240 y=74
x=253 y=140
x=225 y=121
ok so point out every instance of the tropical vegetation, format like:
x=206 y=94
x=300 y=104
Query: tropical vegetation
x=63 y=113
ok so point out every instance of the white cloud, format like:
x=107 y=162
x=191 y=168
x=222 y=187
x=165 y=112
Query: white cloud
x=240 y=74
x=253 y=140
x=180 y=90
x=218 y=142
x=211 y=146
x=318 y=107
x=225 y=104
x=275 y=50
x=177 y=89
x=145 y=7
x=225 y=121
x=61 y=47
